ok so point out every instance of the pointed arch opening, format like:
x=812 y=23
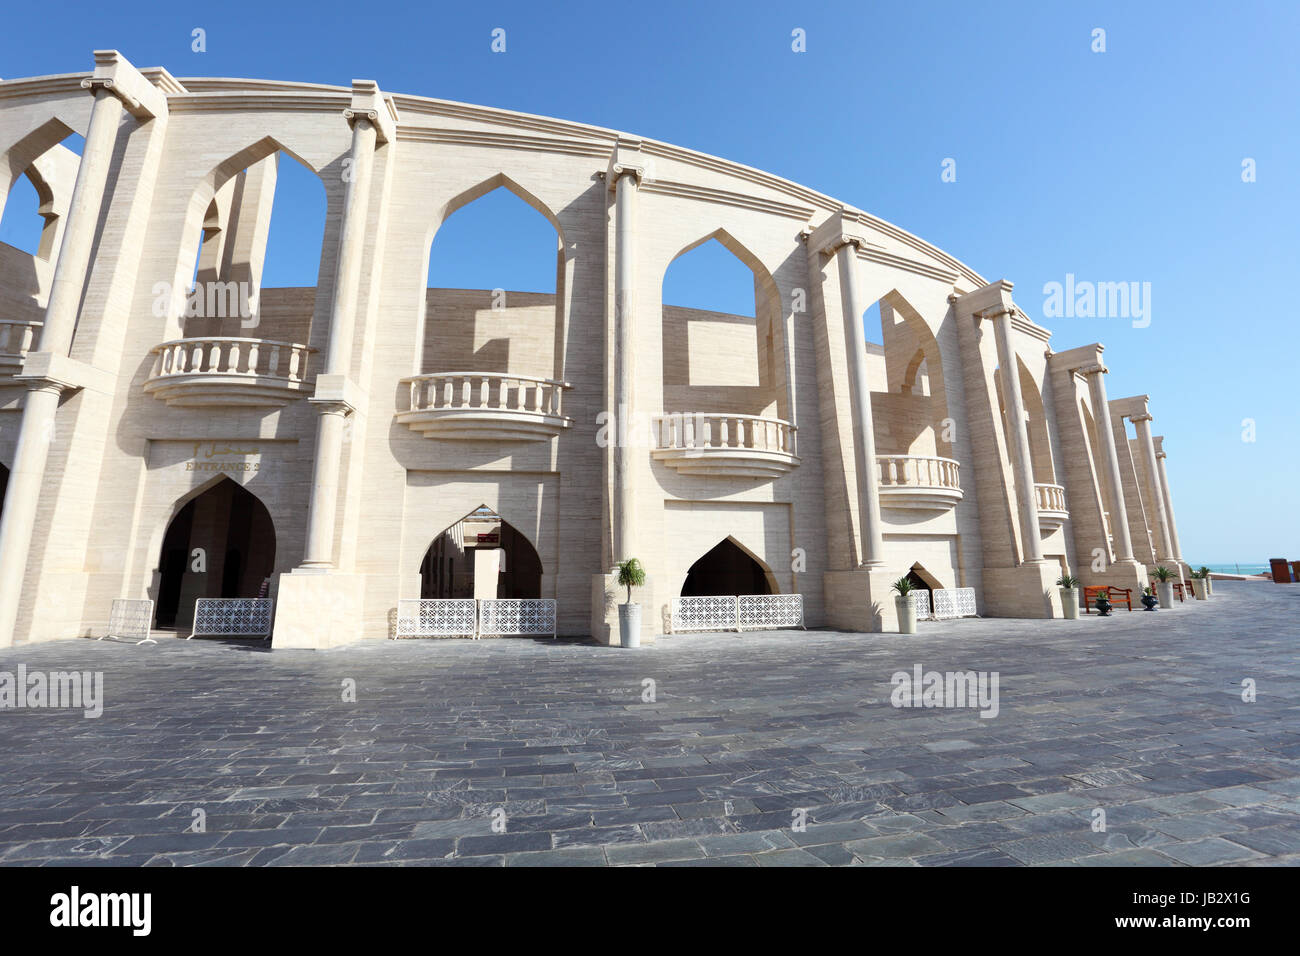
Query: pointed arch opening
x=36 y=181
x=219 y=544
x=923 y=580
x=911 y=412
x=481 y=556
x=728 y=568
x=494 y=301
x=258 y=246
x=723 y=346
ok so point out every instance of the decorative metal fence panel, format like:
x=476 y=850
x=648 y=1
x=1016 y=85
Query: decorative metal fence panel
x=766 y=612
x=954 y=602
x=232 y=617
x=437 y=617
x=516 y=616
x=705 y=613
x=921 y=601
x=130 y=620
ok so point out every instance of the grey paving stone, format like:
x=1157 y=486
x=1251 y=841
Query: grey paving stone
x=900 y=845
x=1206 y=852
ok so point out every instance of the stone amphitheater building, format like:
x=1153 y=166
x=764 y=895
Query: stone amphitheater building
x=369 y=439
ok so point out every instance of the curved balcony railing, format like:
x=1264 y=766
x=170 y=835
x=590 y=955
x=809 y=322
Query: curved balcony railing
x=17 y=338
x=1052 y=511
x=492 y=406
x=710 y=443
x=220 y=370
x=919 y=482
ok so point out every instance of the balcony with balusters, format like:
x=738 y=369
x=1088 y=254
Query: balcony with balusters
x=485 y=406
x=226 y=371
x=17 y=338
x=1052 y=511
x=919 y=482
x=737 y=446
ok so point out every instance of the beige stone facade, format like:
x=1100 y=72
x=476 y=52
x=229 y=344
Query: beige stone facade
x=370 y=415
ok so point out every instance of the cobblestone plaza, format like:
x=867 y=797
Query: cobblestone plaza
x=1139 y=714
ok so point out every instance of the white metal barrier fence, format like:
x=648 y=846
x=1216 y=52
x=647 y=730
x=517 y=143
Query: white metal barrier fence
x=452 y=617
x=921 y=601
x=232 y=617
x=516 y=616
x=465 y=617
x=737 y=613
x=130 y=620
x=954 y=602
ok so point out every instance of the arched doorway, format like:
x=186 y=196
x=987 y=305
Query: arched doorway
x=221 y=544
x=481 y=556
x=923 y=580
x=727 y=569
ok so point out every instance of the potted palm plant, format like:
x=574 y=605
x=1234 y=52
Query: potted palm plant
x=1149 y=599
x=1102 y=604
x=906 y=609
x=1209 y=582
x=630 y=575
x=1199 y=582
x=1069 y=586
x=1164 y=586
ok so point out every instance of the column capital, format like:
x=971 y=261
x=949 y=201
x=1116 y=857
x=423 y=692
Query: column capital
x=627 y=159
x=1146 y=417
x=844 y=227
x=336 y=394
x=998 y=311
x=115 y=74
x=47 y=371
x=370 y=103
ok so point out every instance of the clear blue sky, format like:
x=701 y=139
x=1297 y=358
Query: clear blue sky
x=1116 y=166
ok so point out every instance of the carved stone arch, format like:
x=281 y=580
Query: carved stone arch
x=199 y=212
x=730 y=542
x=467 y=197
x=28 y=148
x=770 y=328
x=233 y=549
x=524 y=570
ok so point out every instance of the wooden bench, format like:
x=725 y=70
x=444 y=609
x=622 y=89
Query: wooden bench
x=1113 y=594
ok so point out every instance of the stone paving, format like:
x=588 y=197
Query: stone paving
x=1140 y=714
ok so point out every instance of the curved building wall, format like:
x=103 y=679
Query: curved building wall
x=370 y=414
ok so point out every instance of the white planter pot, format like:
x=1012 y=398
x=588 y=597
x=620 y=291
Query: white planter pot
x=1199 y=589
x=1070 y=603
x=629 y=625
x=906 y=614
x=1209 y=587
x=1165 y=592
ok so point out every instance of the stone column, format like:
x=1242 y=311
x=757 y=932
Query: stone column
x=1110 y=463
x=332 y=407
x=1021 y=461
x=872 y=552
x=1169 y=504
x=623 y=520
x=36 y=427
x=1143 y=423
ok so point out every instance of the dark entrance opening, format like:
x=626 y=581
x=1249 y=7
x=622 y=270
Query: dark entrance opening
x=447 y=570
x=4 y=484
x=727 y=568
x=220 y=545
x=922 y=580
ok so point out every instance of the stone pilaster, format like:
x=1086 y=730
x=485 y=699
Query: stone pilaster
x=48 y=372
